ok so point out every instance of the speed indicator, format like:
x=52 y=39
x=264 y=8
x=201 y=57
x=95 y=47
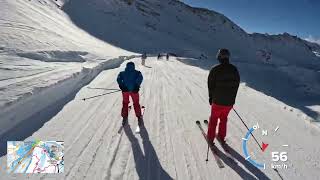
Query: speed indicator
x=277 y=158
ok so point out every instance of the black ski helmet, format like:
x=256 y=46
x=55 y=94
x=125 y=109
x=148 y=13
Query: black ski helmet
x=223 y=54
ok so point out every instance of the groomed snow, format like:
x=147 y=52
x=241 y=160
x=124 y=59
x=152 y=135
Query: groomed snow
x=172 y=147
x=53 y=53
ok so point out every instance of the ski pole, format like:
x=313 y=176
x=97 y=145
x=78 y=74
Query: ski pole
x=207 y=154
x=98 y=88
x=101 y=95
x=247 y=128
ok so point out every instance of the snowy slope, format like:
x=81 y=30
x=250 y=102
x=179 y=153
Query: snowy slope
x=172 y=147
x=41 y=25
x=286 y=48
x=41 y=49
x=90 y=32
x=50 y=50
x=314 y=47
x=171 y=26
x=155 y=26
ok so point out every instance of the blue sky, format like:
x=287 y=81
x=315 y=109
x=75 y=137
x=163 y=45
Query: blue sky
x=297 y=17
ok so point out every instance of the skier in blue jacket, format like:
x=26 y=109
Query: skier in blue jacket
x=129 y=82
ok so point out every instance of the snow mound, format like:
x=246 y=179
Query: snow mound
x=54 y=94
x=55 y=56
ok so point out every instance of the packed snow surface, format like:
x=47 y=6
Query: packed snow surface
x=54 y=53
x=171 y=145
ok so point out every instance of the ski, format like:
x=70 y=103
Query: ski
x=121 y=127
x=137 y=131
x=213 y=148
x=224 y=146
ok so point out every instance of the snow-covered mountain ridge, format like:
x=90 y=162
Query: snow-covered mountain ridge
x=172 y=25
x=166 y=25
x=155 y=26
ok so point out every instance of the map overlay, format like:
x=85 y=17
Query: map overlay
x=35 y=156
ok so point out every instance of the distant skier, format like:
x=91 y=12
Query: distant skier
x=223 y=84
x=159 y=56
x=129 y=82
x=167 y=56
x=143 y=59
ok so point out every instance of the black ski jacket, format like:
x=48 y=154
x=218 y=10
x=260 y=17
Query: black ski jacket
x=223 y=84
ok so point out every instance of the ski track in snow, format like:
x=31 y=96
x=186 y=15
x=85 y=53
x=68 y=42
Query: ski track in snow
x=172 y=147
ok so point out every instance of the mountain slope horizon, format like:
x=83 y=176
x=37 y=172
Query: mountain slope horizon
x=155 y=26
x=170 y=25
x=118 y=27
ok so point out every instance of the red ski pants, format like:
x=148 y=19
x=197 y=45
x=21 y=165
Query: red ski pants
x=126 y=101
x=218 y=112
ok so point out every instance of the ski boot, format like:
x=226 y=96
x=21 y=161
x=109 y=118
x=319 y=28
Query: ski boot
x=223 y=144
x=222 y=141
x=124 y=121
x=211 y=143
x=140 y=121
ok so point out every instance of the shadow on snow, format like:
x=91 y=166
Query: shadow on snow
x=239 y=170
x=147 y=165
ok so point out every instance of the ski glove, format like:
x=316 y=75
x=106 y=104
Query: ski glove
x=123 y=88
x=136 y=89
x=210 y=101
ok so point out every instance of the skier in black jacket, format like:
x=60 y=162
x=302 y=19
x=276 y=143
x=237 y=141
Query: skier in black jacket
x=223 y=84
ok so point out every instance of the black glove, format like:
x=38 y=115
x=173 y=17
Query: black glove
x=123 y=88
x=136 y=89
x=210 y=100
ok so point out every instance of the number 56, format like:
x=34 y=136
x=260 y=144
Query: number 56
x=282 y=156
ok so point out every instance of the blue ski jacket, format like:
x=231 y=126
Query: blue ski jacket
x=130 y=79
